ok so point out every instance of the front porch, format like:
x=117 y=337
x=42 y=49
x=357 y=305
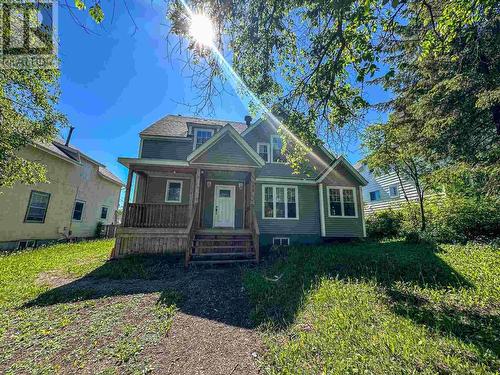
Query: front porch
x=202 y=211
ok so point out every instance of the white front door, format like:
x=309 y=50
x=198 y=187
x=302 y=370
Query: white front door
x=224 y=203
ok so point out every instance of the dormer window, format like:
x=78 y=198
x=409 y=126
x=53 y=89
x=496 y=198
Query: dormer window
x=276 y=146
x=201 y=136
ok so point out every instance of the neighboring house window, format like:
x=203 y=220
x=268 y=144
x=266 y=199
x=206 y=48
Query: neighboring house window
x=281 y=241
x=342 y=202
x=263 y=151
x=375 y=195
x=104 y=213
x=393 y=191
x=276 y=146
x=37 y=207
x=174 y=191
x=78 y=210
x=201 y=136
x=280 y=202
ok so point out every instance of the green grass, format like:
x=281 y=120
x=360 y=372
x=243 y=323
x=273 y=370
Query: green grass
x=379 y=308
x=21 y=270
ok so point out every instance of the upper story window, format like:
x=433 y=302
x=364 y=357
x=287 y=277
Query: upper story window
x=280 y=202
x=201 y=136
x=37 y=207
x=375 y=195
x=393 y=191
x=78 y=210
x=342 y=202
x=263 y=151
x=174 y=191
x=276 y=146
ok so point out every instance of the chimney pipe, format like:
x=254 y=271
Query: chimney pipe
x=248 y=120
x=71 y=128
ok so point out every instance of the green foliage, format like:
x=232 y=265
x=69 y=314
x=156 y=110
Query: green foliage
x=384 y=224
x=98 y=229
x=80 y=5
x=379 y=308
x=96 y=13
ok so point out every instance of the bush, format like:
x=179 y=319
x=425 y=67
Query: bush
x=98 y=229
x=384 y=224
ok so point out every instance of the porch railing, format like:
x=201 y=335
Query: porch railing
x=156 y=215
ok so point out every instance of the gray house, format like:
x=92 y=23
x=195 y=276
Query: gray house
x=218 y=191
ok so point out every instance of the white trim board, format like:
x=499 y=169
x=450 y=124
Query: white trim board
x=341 y=189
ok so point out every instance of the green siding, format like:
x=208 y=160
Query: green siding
x=225 y=151
x=166 y=149
x=342 y=226
x=208 y=203
x=156 y=188
x=308 y=222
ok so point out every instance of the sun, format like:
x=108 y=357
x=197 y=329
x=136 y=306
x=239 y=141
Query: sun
x=201 y=29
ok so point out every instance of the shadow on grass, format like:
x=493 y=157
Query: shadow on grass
x=290 y=276
x=211 y=293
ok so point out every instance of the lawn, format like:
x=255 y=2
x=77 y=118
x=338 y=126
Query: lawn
x=379 y=308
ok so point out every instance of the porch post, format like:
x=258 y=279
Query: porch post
x=252 y=199
x=127 y=196
x=197 y=189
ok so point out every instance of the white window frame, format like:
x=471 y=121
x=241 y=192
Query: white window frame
x=196 y=130
x=166 y=191
x=33 y=192
x=271 y=148
x=397 y=191
x=341 y=189
x=83 y=210
x=374 y=191
x=286 y=202
x=281 y=241
x=268 y=145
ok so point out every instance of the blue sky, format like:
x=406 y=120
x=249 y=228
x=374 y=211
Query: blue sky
x=118 y=82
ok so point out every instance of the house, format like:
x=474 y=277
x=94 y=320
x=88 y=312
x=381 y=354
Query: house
x=210 y=188
x=385 y=191
x=81 y=192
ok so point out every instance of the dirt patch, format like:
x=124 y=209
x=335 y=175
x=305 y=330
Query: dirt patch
x=53 y=279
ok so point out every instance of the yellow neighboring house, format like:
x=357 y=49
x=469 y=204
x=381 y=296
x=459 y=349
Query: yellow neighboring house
x=81 y=193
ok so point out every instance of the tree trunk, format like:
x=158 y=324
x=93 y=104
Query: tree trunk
x=422 y=211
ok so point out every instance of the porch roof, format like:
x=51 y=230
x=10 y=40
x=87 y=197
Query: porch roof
x=127 y=162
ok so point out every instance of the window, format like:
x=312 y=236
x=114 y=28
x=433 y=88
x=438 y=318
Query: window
x=281 y=241
x=263 y=151
x=393 y=191
x=201 y=136
x=342 y=202
x=375 y=195
x=37 y=207
x=104 y=213
x=78 y=210
x=174 y=191
x=276 y=146
x=280 y=202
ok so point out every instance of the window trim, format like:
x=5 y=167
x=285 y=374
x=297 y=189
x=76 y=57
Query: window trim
x=286 y=202
x=281 y=240
x=107 y=211
x=272 y=149
x=83 y=210
x=342 y=188
x=29 y=205
x=195 y=139
x=166 y=191
x=374 y=191
x=268 y=150
x=397 y=191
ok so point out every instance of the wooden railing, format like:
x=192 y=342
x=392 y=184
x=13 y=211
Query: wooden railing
x=255 y=235
x=156 y=215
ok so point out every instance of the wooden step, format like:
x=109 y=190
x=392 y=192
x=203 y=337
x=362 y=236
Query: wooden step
x=214 y=255
x=223 y=247
x=223 y=261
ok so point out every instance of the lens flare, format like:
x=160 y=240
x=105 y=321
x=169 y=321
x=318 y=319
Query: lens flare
x=201 y=29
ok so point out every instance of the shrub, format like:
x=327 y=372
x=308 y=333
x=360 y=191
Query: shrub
x=384 y=224
x=98 y=229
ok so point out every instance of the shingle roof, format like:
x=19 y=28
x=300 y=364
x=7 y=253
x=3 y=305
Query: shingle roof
x=73 y=154
x=177 y=126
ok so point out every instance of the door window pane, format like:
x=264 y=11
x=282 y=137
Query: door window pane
x=37 y=207
x=225 y=193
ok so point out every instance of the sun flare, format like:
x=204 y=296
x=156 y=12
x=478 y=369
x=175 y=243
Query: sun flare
x=201 y=29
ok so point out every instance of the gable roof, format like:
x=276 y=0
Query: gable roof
x=177 y=126
x=230 y=131
x=350 y=168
